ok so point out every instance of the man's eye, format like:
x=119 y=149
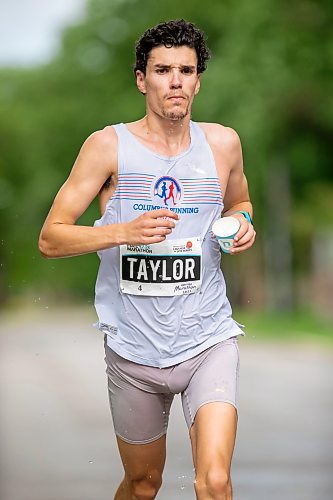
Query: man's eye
x=187 y=71
x=160 y=71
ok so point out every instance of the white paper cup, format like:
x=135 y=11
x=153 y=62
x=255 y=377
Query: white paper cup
x=225 y=230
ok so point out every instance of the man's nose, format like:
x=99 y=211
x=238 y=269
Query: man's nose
x=175 y=81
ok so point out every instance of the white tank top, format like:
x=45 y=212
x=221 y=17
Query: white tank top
x=164 y=303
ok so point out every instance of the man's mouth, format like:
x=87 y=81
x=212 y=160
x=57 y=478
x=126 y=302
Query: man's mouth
x=176 y=97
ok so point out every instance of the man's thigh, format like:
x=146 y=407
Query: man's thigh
x=140 y=414
x=215 y=379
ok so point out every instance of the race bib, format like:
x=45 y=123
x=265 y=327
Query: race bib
x=172 y=267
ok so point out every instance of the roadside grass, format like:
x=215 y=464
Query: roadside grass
x=282 y=326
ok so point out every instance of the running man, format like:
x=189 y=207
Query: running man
x=163 y=194
x=160 y=294
x=170 y=195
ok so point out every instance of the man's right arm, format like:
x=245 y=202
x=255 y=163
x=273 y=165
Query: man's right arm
x=60 y=237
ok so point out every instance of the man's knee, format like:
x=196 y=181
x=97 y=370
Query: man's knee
x=216 y=483
x=146 y=488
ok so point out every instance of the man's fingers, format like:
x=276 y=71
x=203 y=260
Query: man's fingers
x=240 y=248
x=163 y=231
x=161 y=213
x=244 y=235
x=244 y=228
x=158 y=222
x=149 y=240
x=243 y=240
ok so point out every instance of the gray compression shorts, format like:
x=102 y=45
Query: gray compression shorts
x=141 y=396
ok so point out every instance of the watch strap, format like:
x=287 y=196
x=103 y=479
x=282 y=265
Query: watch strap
x=246 y=215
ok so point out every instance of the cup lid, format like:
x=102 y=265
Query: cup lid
x=226 y=226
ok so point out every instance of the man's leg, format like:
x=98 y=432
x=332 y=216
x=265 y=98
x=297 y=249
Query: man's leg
x=143 y=465
x=209 y=404
x=213 y=436
x=140 y=419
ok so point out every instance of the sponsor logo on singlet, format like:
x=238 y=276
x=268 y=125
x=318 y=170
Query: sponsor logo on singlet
x=169 y=190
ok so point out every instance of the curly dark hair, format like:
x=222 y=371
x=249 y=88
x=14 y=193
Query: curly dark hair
x=171 y=34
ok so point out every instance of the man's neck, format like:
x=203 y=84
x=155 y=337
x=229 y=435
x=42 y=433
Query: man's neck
x=173 y=136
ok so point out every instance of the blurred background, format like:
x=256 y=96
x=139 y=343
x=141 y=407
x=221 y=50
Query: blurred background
x=66 y=71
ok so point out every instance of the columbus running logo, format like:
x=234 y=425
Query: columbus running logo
x=168 y=189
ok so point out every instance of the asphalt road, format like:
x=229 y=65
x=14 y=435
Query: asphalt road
x=56 y=433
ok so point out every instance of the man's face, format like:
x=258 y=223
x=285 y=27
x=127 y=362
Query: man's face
x=171 y=81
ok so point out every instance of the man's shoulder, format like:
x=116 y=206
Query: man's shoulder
x=104 y=138
x=101 y=149
x=220 y=136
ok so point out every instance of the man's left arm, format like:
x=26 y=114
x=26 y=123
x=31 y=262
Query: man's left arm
x=237 y=198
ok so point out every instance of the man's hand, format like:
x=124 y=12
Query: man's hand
x=245 y=236
x=150 y=227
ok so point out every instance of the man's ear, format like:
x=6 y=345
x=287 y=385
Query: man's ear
x=141 y=81
x=197 y=87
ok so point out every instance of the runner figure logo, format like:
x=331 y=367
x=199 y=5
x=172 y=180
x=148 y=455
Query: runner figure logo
x=168 y=189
